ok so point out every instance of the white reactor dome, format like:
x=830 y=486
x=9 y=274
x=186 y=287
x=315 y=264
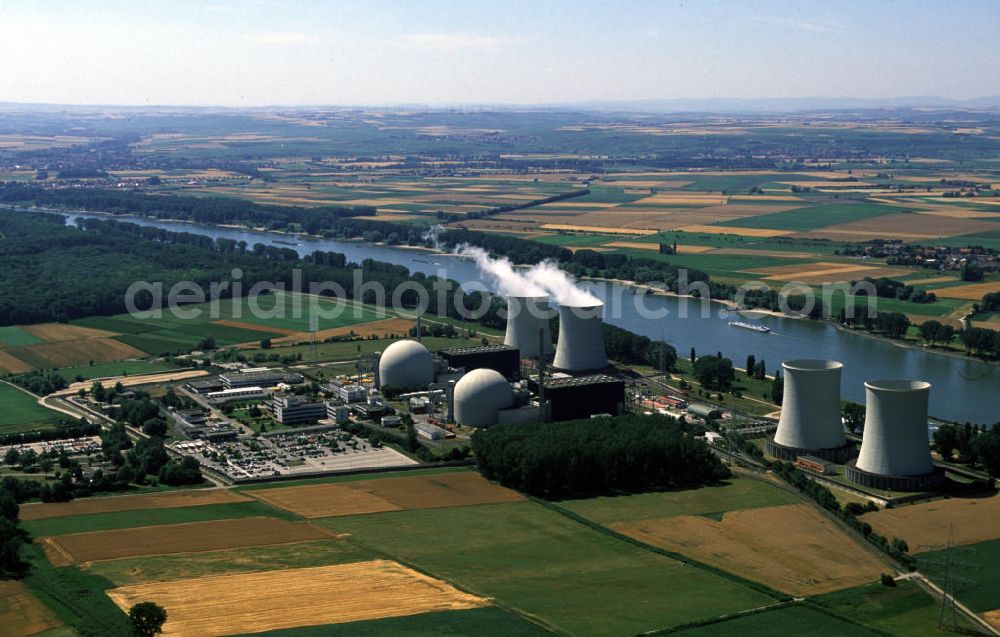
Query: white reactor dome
x=480 y=395
x=405 y=364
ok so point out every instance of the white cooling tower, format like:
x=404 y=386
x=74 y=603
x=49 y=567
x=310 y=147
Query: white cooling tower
x=405 y=364
x=581 y=339
x=895 y=437
x=810 y=411
x=479 y=397
x=526 y=315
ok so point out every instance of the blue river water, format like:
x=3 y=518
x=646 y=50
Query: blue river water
x=963 y=390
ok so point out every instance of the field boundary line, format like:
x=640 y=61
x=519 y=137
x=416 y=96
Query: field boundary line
x=462 y=586
x=760 y=588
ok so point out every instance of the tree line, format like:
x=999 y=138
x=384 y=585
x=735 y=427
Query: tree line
x=598 y=456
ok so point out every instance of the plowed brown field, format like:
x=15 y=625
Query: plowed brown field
x=176 y=538
x=86 y=506
x=792 y=548
x=388 y=494
x=21 y=614
x=63 y=332
x=273 y=600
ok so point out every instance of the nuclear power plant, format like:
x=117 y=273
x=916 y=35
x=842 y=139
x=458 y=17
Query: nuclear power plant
x=526 y=317
x=810 y=423
x=581 y=339
x=895 y=455
x=480 y=395
x=405 y=364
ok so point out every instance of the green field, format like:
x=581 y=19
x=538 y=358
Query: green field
x=339 y=351
x=976 y=569
x=163 y=568
x=12 y=336
x=574 y=239
x=738 y=493
x=474 y=622
x=21 y=413
x=905 y=610
x=150 y=517
x=787 y=620
x=811 y=218
x=544 y=564
x=120 y=368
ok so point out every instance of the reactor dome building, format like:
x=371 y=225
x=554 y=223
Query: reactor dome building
x=480 y=395
x=895 y=453
x=581 y=339
x=405 y=364
x=810 y=421
x=526 y=317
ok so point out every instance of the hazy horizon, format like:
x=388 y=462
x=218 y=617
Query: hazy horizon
x=256 y=54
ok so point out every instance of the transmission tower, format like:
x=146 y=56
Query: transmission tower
x=947 y=568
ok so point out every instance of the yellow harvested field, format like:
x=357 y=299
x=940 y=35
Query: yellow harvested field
x=655 y=247
x=364 y=330
x=814 y=555
x=824 y=271
x=743 y=232
x=575 y=204
x=13 y=365
x=685 y=249
x=54 y=332
x=959 y=213
x=978 y=200
x=79 y=352
x=971 y=292
x=682 y=199
x=111 y=504
x=273 y=600
x=646 y=183
x=902 y=226
x=926 y=525
x=135 y=381
x=441 y=490
x=597 y=229
x=764 y=198
x=176 y=538
x=21 y=613
x=993 y=617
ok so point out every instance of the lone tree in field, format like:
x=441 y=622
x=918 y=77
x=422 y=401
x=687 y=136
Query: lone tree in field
x=147 y=618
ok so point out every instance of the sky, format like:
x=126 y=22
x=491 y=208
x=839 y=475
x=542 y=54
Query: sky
x=434 y=52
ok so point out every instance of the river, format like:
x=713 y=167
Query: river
x=963 y=390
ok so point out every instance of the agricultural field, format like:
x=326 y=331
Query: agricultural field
x=21 y=412
x=272 y=600
x=21 y=613
x=732 y=527
x=926 y=526
x=387 y=494
x=786 y=620
x=115 y=504
x=974 y=573
x=540 y=563
x=904 y=610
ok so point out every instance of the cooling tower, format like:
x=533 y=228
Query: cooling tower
x=895 y=454
x=526 y=315
x=810 y=413
x=581 y=339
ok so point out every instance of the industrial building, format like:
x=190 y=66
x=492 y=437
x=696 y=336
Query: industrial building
x=501 y=358
x=259 y=377
x=810 y=422
x=581 y=339
x=347 y=392
x=895 y=454
x=340 y=414
x=582 y=396
x=479 y=396
x=405 y=363
x=205 y=386
x=528 y=326
x=236 y=393
x=295 y=410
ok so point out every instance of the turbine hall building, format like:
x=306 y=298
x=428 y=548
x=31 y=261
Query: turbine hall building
x=500 y=358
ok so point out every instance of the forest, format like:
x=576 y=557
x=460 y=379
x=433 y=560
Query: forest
x=596 y=456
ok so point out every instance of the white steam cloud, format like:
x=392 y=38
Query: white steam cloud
x=542 y=279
